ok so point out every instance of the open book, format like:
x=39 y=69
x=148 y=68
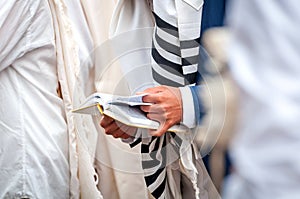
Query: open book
x=124 y=109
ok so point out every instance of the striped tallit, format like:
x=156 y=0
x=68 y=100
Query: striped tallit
x=174 y=63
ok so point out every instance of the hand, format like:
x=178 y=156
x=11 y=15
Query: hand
x=117 y=129
x=166 y=108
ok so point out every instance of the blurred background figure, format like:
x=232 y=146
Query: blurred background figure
x=264 y=60
x=213 y=16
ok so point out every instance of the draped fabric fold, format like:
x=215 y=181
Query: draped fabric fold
x=81 y=148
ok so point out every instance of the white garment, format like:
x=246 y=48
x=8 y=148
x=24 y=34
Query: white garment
x=118 y=165
x=34 y=144
x=136 y=32
x=264 y=58
x=34 y=134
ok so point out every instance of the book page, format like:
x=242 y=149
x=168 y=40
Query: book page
x=134 y=115
x=89 y=106
x=124 y=109
x=134 y=100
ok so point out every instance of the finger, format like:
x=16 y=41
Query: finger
x=145 y=108
x=161 y=130
x=155 y=108
x=106 y=121
x=111 y=129
x=152 y=98
x=156 y=117
x=118 y=134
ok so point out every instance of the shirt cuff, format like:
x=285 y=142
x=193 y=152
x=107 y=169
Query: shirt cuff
x=188 y=111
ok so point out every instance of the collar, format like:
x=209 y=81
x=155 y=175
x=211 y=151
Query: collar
x=197 y=4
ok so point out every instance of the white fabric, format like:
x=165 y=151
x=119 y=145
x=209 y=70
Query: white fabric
x=189 y=19
x=190 y=69
x=82 y=35
x=167 y=11
x=34 y=142
x=118 y=165
x=181 y=13
x=76 y=79
x=188 y=116
x=134 y=57
x=264 y=58
x=197 y=4
x=39 y=149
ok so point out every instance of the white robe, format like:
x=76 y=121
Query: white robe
x=31 y=104
x=118 y=166
x=40 y=147
x=33 y=129
x=264 y=58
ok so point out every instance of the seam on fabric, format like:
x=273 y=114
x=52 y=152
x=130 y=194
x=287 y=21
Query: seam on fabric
x=21 y=112
x=24 y=155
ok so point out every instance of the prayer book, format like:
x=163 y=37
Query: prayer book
x=125 y=109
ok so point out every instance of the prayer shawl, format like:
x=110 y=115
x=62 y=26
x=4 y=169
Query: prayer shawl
x=81 y=146
x=172 y=168
x=175 y=49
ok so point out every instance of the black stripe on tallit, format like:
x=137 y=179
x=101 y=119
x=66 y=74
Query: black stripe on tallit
x=190 y=60
x=166 y=64
x=164 y=80
x=165 y=26
x=160 y=189
x=171 y=48
x=190 y=78
x=190 y=43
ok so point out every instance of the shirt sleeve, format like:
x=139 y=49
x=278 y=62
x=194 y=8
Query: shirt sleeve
x=188 y=116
